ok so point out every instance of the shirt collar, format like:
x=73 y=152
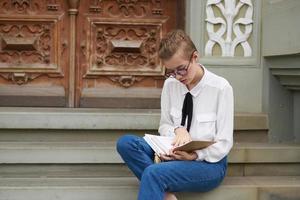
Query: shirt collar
x=196 y=90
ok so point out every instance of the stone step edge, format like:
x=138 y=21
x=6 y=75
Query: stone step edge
x=105 y=152
x=102 y=119
x=249 y=181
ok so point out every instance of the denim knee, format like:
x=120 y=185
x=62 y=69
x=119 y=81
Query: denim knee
x=153 y=175
x=124 y=142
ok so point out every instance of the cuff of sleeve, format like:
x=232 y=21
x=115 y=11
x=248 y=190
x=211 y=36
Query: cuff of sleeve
x=175 y=127
x=171 y=132
x=201 y=155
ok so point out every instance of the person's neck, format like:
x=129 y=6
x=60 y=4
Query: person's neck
x=197 y=78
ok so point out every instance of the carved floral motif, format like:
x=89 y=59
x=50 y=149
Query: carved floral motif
x=143 y=55
x=19 y=78
x=229 y=25
x=123 y=51
x=33 y=52
x=20 y=6
x=126 y=81
x=28 y=50
x=28 y=6
x=127 y=8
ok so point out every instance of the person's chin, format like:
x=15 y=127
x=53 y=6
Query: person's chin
x=185 y=82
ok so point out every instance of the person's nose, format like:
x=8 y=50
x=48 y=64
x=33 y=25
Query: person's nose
x=179 y=77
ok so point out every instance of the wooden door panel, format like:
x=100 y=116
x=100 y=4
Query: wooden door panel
x=122 y=48
x=112 y=62
x=118 y=60
x=33 y=44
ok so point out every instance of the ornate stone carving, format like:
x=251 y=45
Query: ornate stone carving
x=95 y=6
x=28 y=6
x=52 y=5
x=157 y=10
x=127 y=8
x=228 y=24
x=29 y=49
x=122 y=48
x=125 y=81
x=20 y=6
x=19 y=77
x=25 y=43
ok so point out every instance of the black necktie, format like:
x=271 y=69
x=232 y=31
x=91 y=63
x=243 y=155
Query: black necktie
x=187 y=110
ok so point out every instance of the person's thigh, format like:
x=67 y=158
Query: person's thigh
x=136 y=153
x=195 y=176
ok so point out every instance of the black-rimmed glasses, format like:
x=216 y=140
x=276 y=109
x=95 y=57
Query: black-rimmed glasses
x=180 y=70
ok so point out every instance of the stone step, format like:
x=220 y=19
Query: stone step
x=103 y=119
x=105 y=152
x=56 y=124
x=103 y=135
x=125 y=188
x=33 y=135
x=121 y=170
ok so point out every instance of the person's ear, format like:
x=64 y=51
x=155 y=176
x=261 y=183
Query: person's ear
x=195 y=55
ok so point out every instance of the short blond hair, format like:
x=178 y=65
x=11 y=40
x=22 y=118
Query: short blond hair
x=174 y=41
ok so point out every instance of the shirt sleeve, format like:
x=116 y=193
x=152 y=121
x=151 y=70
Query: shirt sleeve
x=166 y=125
x=224 y=135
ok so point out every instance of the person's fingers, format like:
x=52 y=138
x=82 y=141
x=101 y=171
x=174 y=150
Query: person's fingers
x=173 y=155
x=177 y=143
x=178 y=157
x=183 y=155
x=165 y=157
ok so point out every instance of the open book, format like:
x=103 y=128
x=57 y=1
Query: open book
x=163 y=144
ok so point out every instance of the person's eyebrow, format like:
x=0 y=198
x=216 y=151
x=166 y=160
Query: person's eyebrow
x=179 y=66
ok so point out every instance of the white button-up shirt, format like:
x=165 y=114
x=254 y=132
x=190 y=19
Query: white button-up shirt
x=212 y=113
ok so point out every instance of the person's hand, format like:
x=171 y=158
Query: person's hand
x=178 y=155
x=164 y=157
x=182 y=155
x=182 y=137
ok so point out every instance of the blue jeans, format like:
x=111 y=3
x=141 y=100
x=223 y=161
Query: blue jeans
x=172 y=176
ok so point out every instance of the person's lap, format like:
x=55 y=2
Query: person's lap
x=179 y=175
x=195 y=176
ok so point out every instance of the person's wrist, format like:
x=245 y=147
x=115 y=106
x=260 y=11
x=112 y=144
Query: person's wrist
x=195 y=156
x=176 y=128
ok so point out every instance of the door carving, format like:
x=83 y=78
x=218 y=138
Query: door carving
x=94 y=53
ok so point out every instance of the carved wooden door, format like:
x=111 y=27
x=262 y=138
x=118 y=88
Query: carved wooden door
x=33 y=51
x=92 y=53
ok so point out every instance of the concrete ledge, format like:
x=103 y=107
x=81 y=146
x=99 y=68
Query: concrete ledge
x=105 y=152
x=121 y=170
x=103 y=119
x=242 y=188
x=25 y=95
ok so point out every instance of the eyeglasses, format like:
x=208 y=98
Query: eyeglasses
x=180 y=70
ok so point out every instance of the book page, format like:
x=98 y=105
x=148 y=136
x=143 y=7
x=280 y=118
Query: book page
x=163 y=144
x=160 y=144
x=154 y=146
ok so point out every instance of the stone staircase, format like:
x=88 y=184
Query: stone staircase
x=60 y=153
